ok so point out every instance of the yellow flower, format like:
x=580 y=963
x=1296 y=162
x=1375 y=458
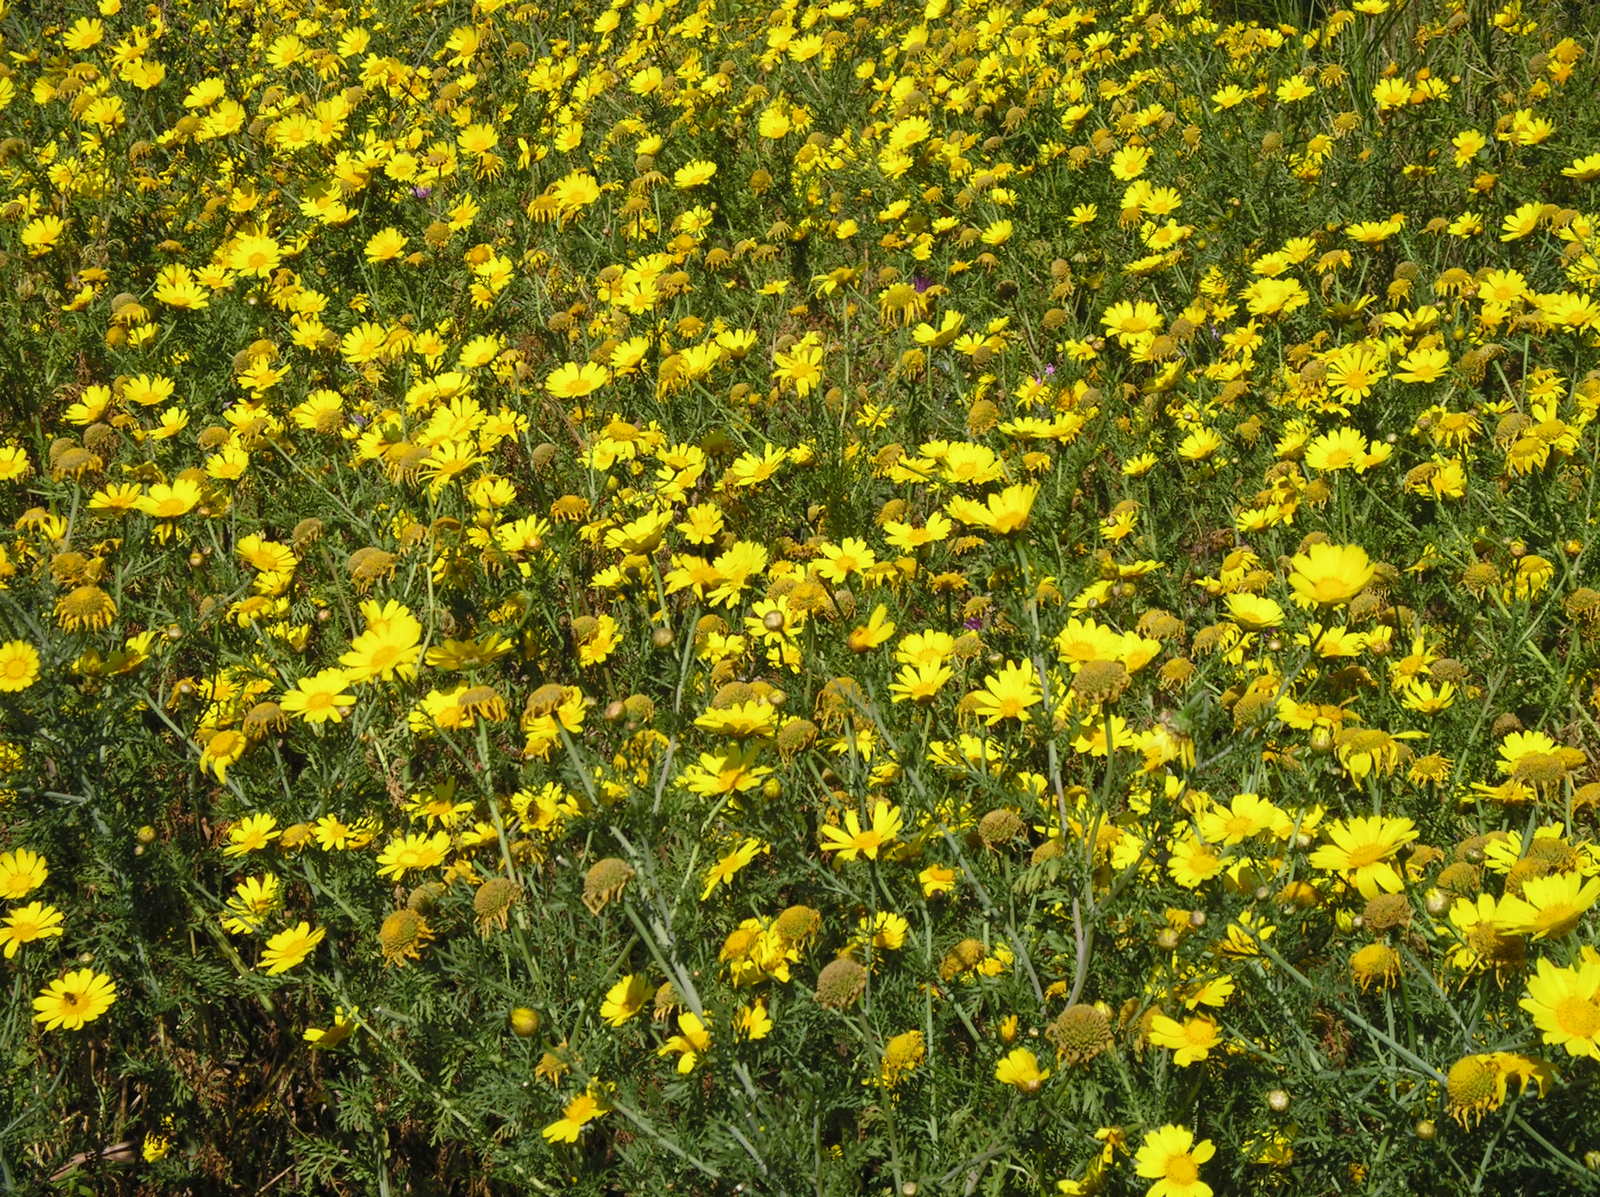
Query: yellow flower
x=1275 y=296
x=1353 y=371
x=1535 y=757
x=1423 y=365
x=223 y=749
x=752 y=1021
x=839 y=561
x=1008 y=694
x=478 y=139
x=14 y=463
x=1020 y=1068
x=343 y=1027
x=1522 y=222
x=385 y=245
x=733 y=771
x=165 y=502
x=901 y=1055
x=1361 y=849
x=1375 y=964
x=1131 y=319
x=25 y=924
x=21 y=872
x=742 y=720
x=1290 y=91
x=937 y=879
x=855 y=840
x=1002 y=513
x=1252 y=612
x=389 y=648
x=919 y=682
x=76 y=998
x=85 y=606
x=1565 y=1005
x=290 y=946
x=573 y=192
x=1329 y=574
x=1551 y=905
x=1391 y=93
x=624 y=999
x=691 y=1042
x=333 y=834
x=694 y=174
x=1190 y=1041
x=1129 y=162
x=1364 y=750
x=885 y=931
x=801 y=367
x=406 y=853
x=574 y=381
x=878 y=628
x=1200 y=445
x=19 y=665
x=1467 y=144
x=253 y=899
x=251 y=834
x=937 y=338
x=1170 y=1157
x=723 y=872
x=1340 y=449
x=40 y=235
x=255 y=255
x=579 y=1112
x=320 y=698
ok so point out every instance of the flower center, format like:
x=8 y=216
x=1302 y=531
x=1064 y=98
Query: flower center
x=1367 y=854
x=1578 y=1017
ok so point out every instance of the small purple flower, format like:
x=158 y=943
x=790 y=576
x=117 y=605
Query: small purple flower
x=422 y=192
x=1050 y=370
x=921 y=282
x=972 y=623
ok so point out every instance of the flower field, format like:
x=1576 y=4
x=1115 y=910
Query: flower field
x=884 y=597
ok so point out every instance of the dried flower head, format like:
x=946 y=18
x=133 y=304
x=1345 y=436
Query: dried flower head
x=1385 y=912
x=1100 y=681
x=798 y=923
x=1176 y=674
x=1376 y=964
x=667 y=1001
x=85 y=607
x=264 y=719
x=1480 y=577
x=1079 y=1033
x=604 y=882
x=841 y=983
x=493 y=902
x=1459 y=878
x=1000 y=827
x=368 y=565
x=403 y=935
x=795 y=736
x=963 y=957
x=1583 y=604
x=840 y=699
x=425 y=897
x=1474 y=1086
